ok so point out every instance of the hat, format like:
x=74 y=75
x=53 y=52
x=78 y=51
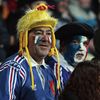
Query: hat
x=66 y=32
x=96 y=41
x=34 y=18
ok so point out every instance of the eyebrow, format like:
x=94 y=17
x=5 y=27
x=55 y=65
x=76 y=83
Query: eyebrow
x=42 y=30
x=48 y=30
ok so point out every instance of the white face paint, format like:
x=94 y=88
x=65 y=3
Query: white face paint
x=36 y=39
x=80 y=55
x=39 y=38
x=50 y=40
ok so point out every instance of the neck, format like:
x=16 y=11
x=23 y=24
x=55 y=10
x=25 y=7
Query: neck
x=37 y=57
x=39 y=60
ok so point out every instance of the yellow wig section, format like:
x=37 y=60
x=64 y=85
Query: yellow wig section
x=36 y=18
x=32 y=18
x=54 y=51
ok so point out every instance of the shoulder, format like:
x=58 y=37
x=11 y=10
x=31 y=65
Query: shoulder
x=13 y=61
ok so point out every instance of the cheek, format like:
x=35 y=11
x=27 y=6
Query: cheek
x=86 y=51
x=31 y=39
x=84 y=48
x=37 y=39
x=74 y=47
x=49 y=39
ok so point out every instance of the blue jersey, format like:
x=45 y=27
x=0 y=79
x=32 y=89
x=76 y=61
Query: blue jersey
x=65 y=69
x=15 y=81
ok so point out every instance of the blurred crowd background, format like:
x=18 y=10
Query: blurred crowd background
x=66 y=11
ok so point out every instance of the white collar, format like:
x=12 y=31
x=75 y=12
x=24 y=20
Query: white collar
x=34 y=63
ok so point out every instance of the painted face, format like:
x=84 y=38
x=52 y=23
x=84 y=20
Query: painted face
x=77 y=50
x=40 y=41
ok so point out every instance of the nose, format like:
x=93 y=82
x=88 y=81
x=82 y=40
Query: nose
x=82 y=47
x=45 y=37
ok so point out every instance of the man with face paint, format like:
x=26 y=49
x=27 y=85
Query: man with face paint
x=76 y=50
x=25 y=75
x=74 y=39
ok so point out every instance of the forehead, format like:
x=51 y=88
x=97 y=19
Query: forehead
x=80 y=38
x=42 y=28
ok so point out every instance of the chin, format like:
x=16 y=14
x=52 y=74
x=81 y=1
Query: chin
x=43 y=53
x=79 y=60
x=80 y=56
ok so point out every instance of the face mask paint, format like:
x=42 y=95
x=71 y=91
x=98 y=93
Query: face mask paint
x=76 y=50
x=80 y=55
x=38 y=39
x=50 y=40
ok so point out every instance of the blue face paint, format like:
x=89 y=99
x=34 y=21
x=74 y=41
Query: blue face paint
x=69 y=55
x=39 y=39
x=74 y=48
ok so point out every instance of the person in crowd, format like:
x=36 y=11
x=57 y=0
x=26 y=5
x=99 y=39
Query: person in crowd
x=62 y=12
x=84 y=83
x=25 y=75
x=4 y=37
x=96 y=41
x=74 y=39
x=81 y=10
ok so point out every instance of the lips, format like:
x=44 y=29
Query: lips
x=44 y=46
x=79 y=56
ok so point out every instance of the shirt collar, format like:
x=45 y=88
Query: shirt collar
x=34 y=63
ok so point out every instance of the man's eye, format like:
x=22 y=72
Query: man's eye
x=86 y=43
x=38 y=33
x=75 y=42
x=48 y=33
